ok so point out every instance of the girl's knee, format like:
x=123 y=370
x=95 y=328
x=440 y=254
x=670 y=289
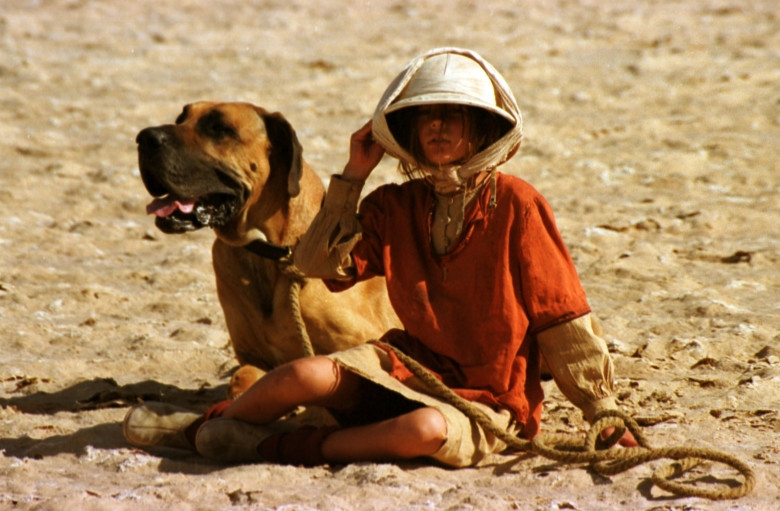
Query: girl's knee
x=430 y=427
x=317 y=377
x=310 y=372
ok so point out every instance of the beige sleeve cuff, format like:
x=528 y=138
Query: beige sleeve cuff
x=580 y=364
x=323 y=250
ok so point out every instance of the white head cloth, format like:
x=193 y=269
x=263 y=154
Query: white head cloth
x=452 y=75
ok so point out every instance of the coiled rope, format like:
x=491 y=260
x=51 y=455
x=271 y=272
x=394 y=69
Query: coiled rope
x=594 y=450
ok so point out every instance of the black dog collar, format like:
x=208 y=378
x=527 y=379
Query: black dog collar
x=269 y=250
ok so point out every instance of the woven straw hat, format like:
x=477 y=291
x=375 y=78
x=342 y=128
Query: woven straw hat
x=452 y=75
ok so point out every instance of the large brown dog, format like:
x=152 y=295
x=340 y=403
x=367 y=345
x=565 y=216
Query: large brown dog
x=238 y=169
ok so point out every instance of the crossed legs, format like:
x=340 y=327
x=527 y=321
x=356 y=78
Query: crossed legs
x=319 y=381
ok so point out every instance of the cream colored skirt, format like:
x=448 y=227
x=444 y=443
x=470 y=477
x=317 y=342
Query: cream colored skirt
x=467 y=442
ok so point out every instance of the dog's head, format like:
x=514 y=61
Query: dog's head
x=212 y=165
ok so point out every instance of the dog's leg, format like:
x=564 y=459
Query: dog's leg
x=242 y=379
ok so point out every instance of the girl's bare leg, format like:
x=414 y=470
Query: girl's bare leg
x=418 y=433
x=306 y=381
x=320 y=381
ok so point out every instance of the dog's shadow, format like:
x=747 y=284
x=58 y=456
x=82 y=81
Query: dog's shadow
x=93 y=396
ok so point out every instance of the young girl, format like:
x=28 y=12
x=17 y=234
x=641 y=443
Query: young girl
x=476 y=271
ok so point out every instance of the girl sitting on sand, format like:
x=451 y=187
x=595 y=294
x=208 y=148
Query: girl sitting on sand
x=476 y=271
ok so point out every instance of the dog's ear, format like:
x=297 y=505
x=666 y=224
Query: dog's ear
x=285 y=149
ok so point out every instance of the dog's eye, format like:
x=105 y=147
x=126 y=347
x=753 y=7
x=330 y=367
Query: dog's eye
x=220 y=129
x=214 y=126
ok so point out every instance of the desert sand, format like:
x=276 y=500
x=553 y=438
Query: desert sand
x=652 y=127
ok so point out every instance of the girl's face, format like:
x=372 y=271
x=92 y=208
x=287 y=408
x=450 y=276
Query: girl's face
x=443 y=133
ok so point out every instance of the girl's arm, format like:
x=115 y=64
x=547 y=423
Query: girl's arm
x=323 y=251
x=581 y=366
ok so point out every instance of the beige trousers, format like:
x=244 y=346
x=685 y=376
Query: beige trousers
x=467 y=442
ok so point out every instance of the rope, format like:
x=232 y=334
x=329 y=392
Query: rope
x=595 y=451
x=296 y=282
x=566 y=448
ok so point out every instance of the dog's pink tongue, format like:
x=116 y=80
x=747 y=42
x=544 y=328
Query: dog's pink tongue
x=166 y=207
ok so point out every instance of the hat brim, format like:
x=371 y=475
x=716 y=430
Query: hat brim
x=451 y=98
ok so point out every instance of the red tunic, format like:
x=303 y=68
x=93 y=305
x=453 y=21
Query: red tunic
x=471 y=315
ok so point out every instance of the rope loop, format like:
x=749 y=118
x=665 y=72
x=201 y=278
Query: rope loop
x=595 y=450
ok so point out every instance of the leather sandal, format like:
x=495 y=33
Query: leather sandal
x=235 y=441
x=156 y=424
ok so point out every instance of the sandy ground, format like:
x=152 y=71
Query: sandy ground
x=653 y=129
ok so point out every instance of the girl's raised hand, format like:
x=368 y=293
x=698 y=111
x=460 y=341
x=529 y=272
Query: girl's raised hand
x=364 y=154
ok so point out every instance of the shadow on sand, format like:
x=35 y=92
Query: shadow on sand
x=100 y=394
